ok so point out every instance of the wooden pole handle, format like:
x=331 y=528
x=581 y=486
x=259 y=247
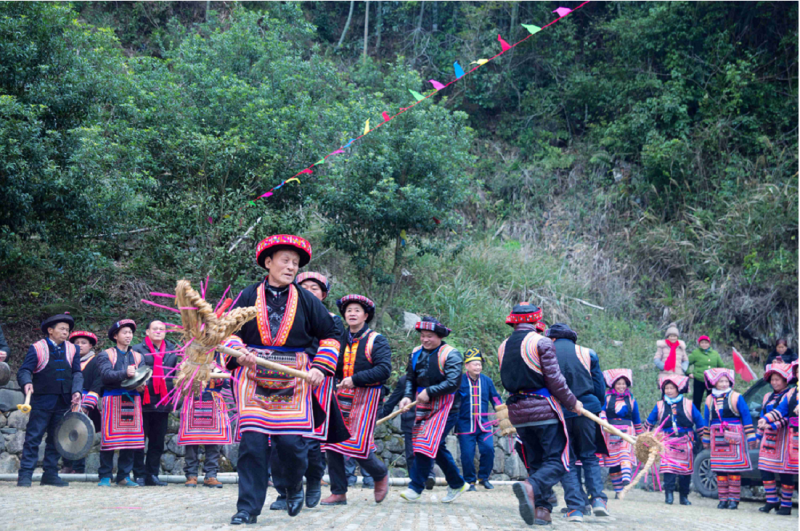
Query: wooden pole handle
x=266 y=363
x=221 y=375
x=26 y=407
x=398 y=412
x=608 y=426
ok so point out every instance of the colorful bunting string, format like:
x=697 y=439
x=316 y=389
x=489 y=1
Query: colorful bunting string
x=459 y=74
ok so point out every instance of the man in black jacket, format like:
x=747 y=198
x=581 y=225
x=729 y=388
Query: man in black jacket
x=161 y=355
x=433 y=376
x=581 y=368
x=51 y=373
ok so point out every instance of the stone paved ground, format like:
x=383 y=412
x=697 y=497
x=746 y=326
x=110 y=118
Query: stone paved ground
x=84 y=506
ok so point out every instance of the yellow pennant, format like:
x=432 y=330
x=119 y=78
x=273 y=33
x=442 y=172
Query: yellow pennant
x=293 y=179
x=366 y=127
x=480 y=62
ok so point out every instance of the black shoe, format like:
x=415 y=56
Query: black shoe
x=430 y=482
x=769 y=506
x=24 y=481
x=669 y=497
x=313 y=494
x=486 y=484
x=684 y=499
x=733 y=504
x=139 y=481
x=243 y=517
x=472 y=488
x=723 y=504
x=784 y=511
x=280 y=503
x=153 y=481
x=54 y=481
x=294 y=501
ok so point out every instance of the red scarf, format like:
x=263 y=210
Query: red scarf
x=159 y=384
x=672 y=359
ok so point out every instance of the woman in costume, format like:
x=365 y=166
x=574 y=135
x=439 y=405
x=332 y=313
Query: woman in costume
x=621 y=410
x=777 y=455
x=365 y=363
x=85 y=341
x=680 y=420
x=122 y=409
x=730 y=433
x=204 y=421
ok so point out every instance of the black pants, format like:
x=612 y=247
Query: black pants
x=316 y=462
x=287 y=459
x=41 y=420
x=683 y=483
x=582 y=446
x=372 y=465
x=124 y=464
x=698 y=393
x=546 y=443
x=155 y=431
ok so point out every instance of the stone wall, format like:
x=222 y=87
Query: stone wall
x=388 y=439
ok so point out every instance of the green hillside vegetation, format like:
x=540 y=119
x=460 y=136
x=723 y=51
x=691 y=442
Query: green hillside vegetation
x=641 y=157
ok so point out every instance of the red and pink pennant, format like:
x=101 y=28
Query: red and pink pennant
x=503 y=43
x=436 y=84
x=386 y=116
x=562 y=11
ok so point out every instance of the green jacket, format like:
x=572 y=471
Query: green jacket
x=702 y=360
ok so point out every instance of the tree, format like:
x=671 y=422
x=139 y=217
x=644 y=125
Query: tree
x=405 y=179
x=346 y=24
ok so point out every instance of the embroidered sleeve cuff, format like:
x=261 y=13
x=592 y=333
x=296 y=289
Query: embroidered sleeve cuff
x=234 y=341
x=638 y=428
x=90 y=400
x=327 y=356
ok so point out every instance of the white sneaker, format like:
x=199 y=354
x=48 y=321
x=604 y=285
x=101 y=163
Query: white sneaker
x=452 y=494
x=410 y=495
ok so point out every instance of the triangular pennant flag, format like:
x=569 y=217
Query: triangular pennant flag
x=742 y=368
x=320 y=161
x=531 y=28
x=562 y=11
x=366 y=127
x=279 y=186
x=296 y=179
x=436 y=84
x=503 y=44
x=480 y=62
x=417 y=95
x=266 y=195
x=385 y=116
x=210 y=220
x=459 y=70
x=307 y=170
x=403 y=237
x=252 y=203
x=339 y=150
x=348 y=143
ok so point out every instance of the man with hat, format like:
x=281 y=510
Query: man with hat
x=122 y=408
x=319 y=286
x=433 y=376
x=162 y=356
x=477 y=391
x=51 y=373
x=273 y=406
x=581 y=369
x=86 y=341
x=530 y=371
x=365 y=363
